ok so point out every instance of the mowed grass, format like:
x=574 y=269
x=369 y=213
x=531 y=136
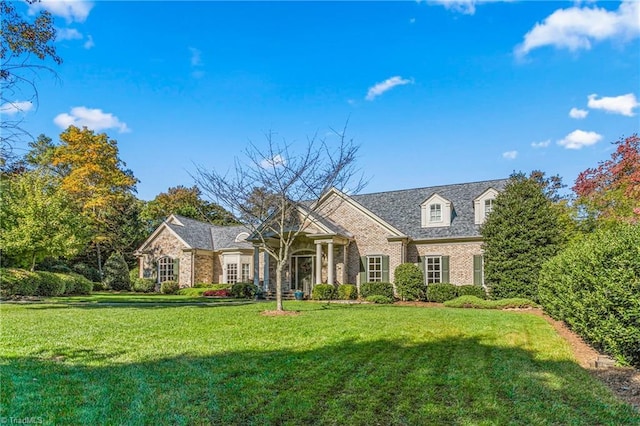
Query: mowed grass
x=331 y=364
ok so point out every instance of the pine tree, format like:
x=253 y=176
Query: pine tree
x=116 y=273
x=521 y=233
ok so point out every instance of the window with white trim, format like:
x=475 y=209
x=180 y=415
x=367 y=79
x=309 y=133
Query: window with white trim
x=374 y=269
x=434 y=269
x=435 y=213
x=165 y=269
x=232 y=273
x=245 y=272
x=488 y=206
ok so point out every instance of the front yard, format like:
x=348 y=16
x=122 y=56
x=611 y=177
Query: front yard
x=96 y=362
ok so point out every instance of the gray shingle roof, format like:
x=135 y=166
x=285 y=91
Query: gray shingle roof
x=204 y=236
x=401 y=209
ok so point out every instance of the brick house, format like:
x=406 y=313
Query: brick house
x=347 y=239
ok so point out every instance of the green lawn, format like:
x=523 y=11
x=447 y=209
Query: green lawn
x=150 y=363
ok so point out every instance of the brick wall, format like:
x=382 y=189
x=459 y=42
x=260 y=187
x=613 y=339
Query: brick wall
x=460 y=257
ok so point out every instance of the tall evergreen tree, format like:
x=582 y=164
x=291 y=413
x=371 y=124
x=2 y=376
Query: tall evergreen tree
x=521 y=233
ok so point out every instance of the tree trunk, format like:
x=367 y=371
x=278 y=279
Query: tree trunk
x=99 y=260
x=279 y=306
x=33 y=263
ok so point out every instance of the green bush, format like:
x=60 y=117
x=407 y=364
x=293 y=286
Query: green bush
x=379 y=299
x=323 y=292
x=377 y=288
x=144 y=285
x=594 y=286
x=51 y=284
x=409 y=281
x=81 y=285
x=478 y=303
x=89 y=272
x=244 y=290
x=18 y=282
x=98 y=286
x=471 y=290
x=169 y=287
x=441 y=292
x=347 y=292
x=134 y=274
x=116 y=273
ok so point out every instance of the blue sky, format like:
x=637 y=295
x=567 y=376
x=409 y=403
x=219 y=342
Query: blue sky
x=435 y=92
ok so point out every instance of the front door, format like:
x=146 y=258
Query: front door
x=302 y=273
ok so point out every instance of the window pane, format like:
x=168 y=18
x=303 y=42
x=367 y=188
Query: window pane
x=165 y=269
x=232 y=273
x=488 y=207
x=435 y=213
x=245 y=272
x=434 y=269
x=374 y=269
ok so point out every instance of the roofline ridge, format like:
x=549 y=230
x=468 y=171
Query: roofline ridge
x=429 y=187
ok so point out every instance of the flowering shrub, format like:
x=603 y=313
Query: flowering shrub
x=223 y=292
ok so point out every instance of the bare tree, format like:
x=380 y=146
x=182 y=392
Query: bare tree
x=20 y=41
x=276 y=191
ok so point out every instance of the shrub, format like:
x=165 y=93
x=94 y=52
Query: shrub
x=478 y=303
x=323 y=292
x=98 y=286
x=134 y=274
x=377 y=288
x=116 y=273
x=18 y=282
x=347 y=292
x=50 y=284
x=515 y=302
x=50 y=264
x=594 y=286
x=441 y=292
x=144 y=285
x=378 y=299
x=89 y=272
x=169 y=287
x=471 y=290
x=81 y=285
x=409 y=281
x=244 y=290
x=223 y=292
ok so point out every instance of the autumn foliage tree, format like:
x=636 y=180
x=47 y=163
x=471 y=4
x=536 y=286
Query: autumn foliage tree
x=95 y=177
x=611 y=191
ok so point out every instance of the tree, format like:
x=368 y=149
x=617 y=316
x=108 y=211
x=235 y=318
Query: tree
x=293 y=182
x=39 y=220
x=611 y=191
x=521 y=233
x=184 y=202
x=95 y=177
x=116 y=273
x=409 y=281
x=20 y=40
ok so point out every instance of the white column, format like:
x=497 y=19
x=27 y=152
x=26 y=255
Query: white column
x=318 y=262
x=330 y=264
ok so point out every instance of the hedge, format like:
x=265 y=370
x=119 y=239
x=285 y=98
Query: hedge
x=409 y=281
x=244 y=290
x=323 y=292
x=479 y=303
x=143 y=285
x=376 y=288
x=169 y=287
x=471 y=290
x=594 y=286
x=18 y=282
x=347 y=292
x=441 y=292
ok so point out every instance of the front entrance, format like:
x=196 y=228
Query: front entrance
x=303 y=269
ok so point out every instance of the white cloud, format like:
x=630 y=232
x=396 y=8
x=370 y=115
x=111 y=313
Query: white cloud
x=68 y=34
x=579 y=138
x=12 y=108
x=578 y=113
x=276 y=161
x=577 y=27
x=510 y=155
x=196 y=57
x=623 y=104
x=468 y=7
x=89 y=43
x=70 y=10
x=93 y=118
x=541 y=144
x=384 y=86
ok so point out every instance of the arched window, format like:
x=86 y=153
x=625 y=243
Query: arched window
x=166 y=269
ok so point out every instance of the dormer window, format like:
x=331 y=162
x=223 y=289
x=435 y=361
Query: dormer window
x=488 y=207
x=483 y=205
x=436 y=212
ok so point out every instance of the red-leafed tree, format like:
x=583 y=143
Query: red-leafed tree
x=611 y=191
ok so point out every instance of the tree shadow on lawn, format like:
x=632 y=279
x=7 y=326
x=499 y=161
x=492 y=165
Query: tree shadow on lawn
x=135 y=305
x=449 y=381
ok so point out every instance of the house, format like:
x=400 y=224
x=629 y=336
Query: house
x=344 y=239
x=190 y=252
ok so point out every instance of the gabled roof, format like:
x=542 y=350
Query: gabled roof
x=201 y=235
x=401 y=209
